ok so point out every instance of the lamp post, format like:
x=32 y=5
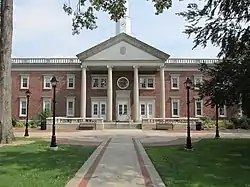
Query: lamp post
x=188 y=84
x=26 y=133
x=53 y=144
x=217 y=134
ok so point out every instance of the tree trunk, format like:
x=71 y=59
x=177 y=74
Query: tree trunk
x=6 y=132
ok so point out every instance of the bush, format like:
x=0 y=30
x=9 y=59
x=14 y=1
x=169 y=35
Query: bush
x=241 y=123
x=14 y=122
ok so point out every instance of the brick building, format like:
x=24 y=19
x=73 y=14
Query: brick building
x=120 y=79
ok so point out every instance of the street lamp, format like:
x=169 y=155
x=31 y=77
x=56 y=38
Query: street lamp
x=53 y=145
x=26 y=133
x=188 y=84
x=217 y=134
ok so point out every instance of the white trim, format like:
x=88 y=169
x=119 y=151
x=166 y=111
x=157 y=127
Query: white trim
x=175 y=76
x=47 y=99
x=123 y=63
x=195 y=81
x=45 y=77
x=70 y=99
x=172 y=107
x=146 y=78
x=45 y=69
x=195 y=106
x=99 y=79
x=22 y=99
x=22 y=77
x=225 y=112
x=119 y=86
x=147 y=102
x=71 y=76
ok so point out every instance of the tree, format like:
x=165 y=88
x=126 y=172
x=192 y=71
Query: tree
x=6 y=13
x=227 y=27
x=84 y=13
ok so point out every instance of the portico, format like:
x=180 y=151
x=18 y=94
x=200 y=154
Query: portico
x=123 y=101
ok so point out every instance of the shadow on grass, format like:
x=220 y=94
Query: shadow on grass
x=213 y=163
x=36 y=165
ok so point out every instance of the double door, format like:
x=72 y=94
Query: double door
x=123 y=110
x=147 y=109
x=99 y=109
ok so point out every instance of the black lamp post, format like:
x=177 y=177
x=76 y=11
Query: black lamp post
x=217 y=134
x=188 y=84
x=26 y=133
x=53 y=144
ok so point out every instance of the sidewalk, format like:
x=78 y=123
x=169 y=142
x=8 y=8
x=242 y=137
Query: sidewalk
x=117 y=162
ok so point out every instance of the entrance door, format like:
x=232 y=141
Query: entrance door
x=147 y=110
x=122 y=110
x=98 y=109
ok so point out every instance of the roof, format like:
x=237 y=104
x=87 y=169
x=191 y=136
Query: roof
x=126 y=38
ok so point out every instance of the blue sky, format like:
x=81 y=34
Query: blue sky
x=42 y=29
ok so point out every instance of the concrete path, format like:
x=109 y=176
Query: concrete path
x=117 y=162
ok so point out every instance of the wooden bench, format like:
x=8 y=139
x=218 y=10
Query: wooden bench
x=164 y=126
x=87 y=126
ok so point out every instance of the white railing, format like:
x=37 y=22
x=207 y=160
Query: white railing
x=75 y=121
x=77 y=61
x=168 y=120
x=191 y=61
x=45 y=60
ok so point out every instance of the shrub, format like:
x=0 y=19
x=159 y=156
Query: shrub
x=14 y=122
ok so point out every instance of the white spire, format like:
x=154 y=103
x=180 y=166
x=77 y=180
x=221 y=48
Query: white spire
x=124 y=24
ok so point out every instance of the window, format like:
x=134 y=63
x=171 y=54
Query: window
x=70 y=81
x=223 y=111
x=98 y=108
x=23 y=107
x=24 y=82
x=198 y=108
x=175 y=107
x=197 y=82
x=147 y=108
x=47 y=105
x=46 y=82
x=146 y=82
x=71 y=106
x=99 y=82
x=174 y=82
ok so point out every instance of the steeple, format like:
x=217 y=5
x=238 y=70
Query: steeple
x=124 y=24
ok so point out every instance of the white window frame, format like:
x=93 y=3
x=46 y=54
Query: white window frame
x=195 y=107
x=45 y=99
x=99 y=101
x=70 y=99
x=74 y=79
x=195 y=82
x=45 y=77
x=172 y=107
x=22 y=77
x=21 y=99
x=225 y=111
x=175 y=76
x=147 y=102
x=99 y=78
x=146 y=78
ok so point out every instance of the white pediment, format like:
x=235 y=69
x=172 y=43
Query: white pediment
x=122 y=51
x=123 y=47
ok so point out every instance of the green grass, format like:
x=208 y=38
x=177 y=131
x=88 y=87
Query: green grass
x=213 y=163
x=35 y=165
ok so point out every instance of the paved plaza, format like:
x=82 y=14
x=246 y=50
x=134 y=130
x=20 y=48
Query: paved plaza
x=120 y=159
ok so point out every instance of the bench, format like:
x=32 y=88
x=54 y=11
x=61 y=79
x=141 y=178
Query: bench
x=87 y=126
x=164 y=126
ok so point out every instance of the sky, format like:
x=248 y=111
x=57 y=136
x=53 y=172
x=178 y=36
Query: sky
x=43 y=29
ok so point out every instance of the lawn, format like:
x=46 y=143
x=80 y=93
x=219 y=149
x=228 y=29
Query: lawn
x=213 y=163
x=35 y=165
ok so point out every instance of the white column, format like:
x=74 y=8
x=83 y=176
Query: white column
x=110 y=94
x=162 y=92
x=136 y=95
x=83 y=92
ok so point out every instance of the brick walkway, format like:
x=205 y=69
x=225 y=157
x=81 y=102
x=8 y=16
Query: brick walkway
x=117 y=162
